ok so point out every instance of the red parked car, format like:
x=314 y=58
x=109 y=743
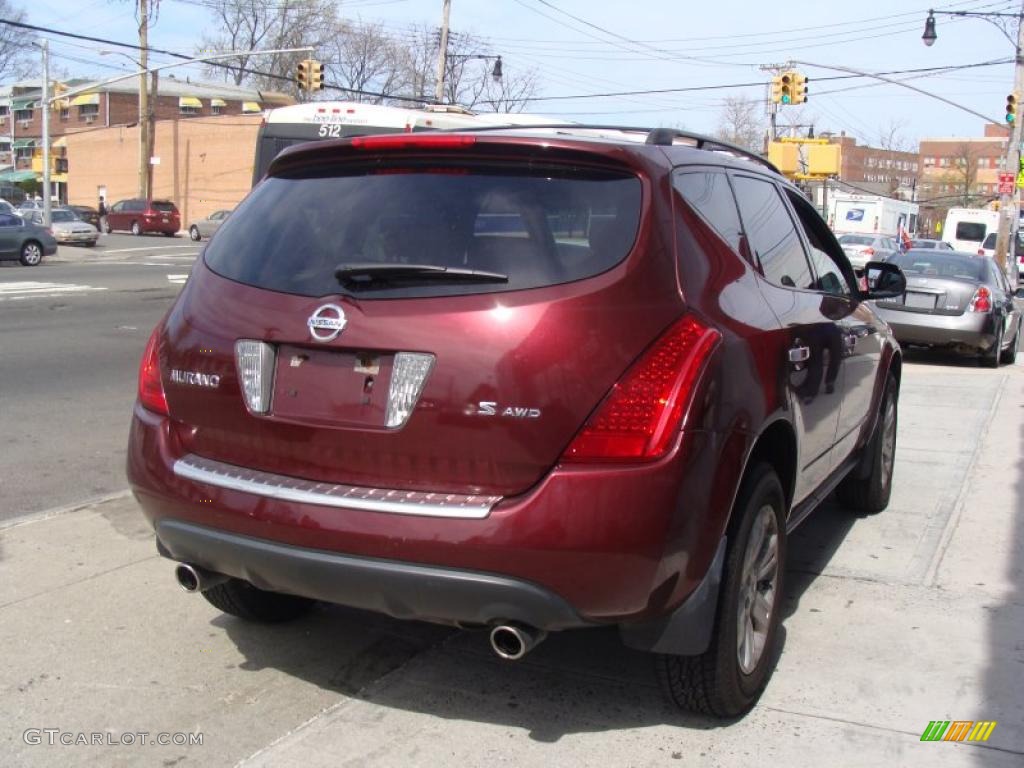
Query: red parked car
x=523 y=380
x=139 y=217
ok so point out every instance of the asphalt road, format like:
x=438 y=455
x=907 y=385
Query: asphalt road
x=71 y=334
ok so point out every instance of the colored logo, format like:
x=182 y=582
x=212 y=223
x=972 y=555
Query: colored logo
x=958 y=730
x=855 y=214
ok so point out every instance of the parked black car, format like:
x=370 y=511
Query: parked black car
x=85 y=213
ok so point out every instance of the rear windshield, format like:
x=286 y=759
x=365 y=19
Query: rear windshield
x=856 y=240
x=990 y=241
x=539 y=228
x=63 y=216
x=970 y=230
x=937 y=264
x=164 y=205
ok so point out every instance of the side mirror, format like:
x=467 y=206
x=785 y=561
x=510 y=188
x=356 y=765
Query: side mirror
x=884 y=281
x=1019 y=293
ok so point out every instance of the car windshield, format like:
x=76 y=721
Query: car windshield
x=935 y=264
x=63 y=216
x=529 y=228
x=856 y=240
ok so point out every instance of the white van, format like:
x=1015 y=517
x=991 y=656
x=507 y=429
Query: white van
x=967 y=228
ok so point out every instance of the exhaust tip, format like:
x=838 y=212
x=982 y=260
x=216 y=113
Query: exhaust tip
x=187 y=576
x=512 y=642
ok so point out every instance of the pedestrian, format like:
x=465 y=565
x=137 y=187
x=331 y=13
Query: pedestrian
x=103 y=214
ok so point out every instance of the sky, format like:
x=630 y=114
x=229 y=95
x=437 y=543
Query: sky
x=579 y=48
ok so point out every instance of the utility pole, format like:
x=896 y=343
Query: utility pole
x=1009 y=208
x=144 y=149
x=442 y=54
x=45 y=106
x=151 y=134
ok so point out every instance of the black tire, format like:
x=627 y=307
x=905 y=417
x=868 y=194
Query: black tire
x=193 y=232
x=868 y=487
x=170 y=234
x=31 y=254
x=715 y=683
x=136 y=230
x=1009 y=355
x=990 y=359
x=240 y=598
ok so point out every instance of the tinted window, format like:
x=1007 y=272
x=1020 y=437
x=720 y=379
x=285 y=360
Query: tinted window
x=938 y=264
x=856 y=240
x=549 y=227
x=970 y=230
x=825 y=257
x=990 y=241
x=8 y=220
x=63 y=216
x=165 y=206
x=771 y=233
x=118 y=207
x=710 y=195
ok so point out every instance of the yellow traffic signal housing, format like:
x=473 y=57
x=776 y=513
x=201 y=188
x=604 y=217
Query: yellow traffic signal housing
x=777 y=89
x=799 y=88
x=1011 y=108
x=316 y=75
x=787 y=88
x=302 y=76
x=784 y=156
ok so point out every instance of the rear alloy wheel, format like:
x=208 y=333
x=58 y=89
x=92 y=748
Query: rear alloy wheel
x=730 y=675
x=193 y=232
x=136 y=230
x=868 y=487
x=990 y=359
x=240 y=598
x=1009 y=356
x=31 y=253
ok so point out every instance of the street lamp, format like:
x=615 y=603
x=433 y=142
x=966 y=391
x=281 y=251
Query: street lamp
x=1011 y=161
x=496 y=72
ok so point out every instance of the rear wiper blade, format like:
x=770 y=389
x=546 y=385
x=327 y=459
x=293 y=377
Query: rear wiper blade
x=372 y=275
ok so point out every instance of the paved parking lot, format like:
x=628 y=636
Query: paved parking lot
x=892 y=621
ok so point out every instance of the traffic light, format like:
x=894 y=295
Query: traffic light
x=302 y=76
x=799 y=88
x=1011 y=108
x=316 y=75
x=787 y=88
x=777 y=89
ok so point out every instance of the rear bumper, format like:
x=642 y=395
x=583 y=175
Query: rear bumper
x=399 y=589
x=971 y=329
x=585 y=546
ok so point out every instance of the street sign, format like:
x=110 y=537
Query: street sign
x=1006 y=183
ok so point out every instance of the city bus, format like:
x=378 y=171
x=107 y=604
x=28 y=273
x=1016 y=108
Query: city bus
x=285 y=126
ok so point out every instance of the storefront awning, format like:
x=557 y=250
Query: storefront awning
x=218 y=103
x=189 y=101
x=249 y=107
x=85 y=100
x=17 y=176
x=23 y=103
x=23 y=143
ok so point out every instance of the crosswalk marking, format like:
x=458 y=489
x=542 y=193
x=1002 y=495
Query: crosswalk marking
x=180 y=279
x=30 y=289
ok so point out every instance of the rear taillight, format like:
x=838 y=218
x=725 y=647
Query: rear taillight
x=869 y=251
x=982 y=301
x=981 y=251
x=151 y=388
x=641 y=415
x=412 y=141
x=255 y=361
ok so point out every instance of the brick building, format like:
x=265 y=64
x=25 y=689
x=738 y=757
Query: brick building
x=888 y=172
x=960 y=172
x=105 y=106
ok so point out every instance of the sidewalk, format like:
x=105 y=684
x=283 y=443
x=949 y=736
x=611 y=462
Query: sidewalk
x=913 y=615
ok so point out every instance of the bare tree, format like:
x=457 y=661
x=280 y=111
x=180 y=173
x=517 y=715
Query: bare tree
x=364 y=58
x=512 y=93
x=892 y=136
x=740 y=123
x=14 y=53
x=245 y=25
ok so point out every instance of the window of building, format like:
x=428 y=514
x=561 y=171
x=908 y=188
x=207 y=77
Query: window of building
x=65 y=113
x=216 y=109
x=188 y=110
x=23 y=114
x=4 y=110
x=88 y=110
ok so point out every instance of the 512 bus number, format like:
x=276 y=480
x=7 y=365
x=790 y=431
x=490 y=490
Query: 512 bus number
x=330 y=131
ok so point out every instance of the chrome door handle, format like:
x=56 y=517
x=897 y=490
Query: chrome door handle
x=799 y=354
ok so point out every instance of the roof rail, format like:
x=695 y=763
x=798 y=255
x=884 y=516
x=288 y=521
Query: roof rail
x=666 y=137
x=655 y=136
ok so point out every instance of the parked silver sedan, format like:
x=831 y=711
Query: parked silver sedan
x=197 y=230
x=860 y=249
x=957 y=301
x=67 y=228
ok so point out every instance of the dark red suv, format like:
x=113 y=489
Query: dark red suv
x=519 y=380
x=139 y=217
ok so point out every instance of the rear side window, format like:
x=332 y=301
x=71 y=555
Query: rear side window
x=771 y=233
x=709 y=194
x=539 y=228
x=990 y=241
x=164 y=206
x=970 y=230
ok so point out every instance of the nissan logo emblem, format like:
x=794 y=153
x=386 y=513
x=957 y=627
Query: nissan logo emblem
x=327 y=322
